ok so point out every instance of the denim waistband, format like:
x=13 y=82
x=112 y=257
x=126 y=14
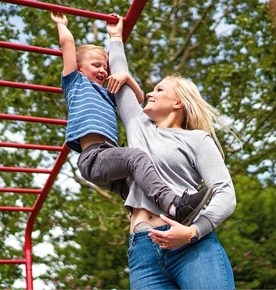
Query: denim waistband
x=137 y=236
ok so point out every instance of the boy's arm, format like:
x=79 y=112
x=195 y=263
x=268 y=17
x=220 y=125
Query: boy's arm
x=116 y=80
x=67 y=43
x=136 y=89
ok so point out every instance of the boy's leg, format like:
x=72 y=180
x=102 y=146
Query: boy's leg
x=86 y=161
x=120 y=187
x=103 y=164
x=107 y=164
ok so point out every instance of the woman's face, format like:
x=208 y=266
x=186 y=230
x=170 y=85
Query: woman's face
x=162 y=102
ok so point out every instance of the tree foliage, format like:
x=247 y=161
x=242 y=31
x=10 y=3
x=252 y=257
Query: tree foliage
x=227 y=48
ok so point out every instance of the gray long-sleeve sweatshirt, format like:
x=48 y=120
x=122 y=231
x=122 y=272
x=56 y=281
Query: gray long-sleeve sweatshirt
x=183 y=158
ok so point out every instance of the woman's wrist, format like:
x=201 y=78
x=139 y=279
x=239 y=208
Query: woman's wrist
x=116 y=38
x=193 y=234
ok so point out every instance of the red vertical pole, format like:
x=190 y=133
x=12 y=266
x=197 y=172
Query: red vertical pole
x=29 y=261
x=132 y=16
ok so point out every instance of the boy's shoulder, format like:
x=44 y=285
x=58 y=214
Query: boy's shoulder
x=71 y=76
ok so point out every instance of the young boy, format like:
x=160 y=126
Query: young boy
x=92 y=129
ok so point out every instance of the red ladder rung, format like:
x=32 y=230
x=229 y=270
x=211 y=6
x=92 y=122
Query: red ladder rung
x=17 y=261
x=14 y=208
x=30 y=87
x=33 y=119
x=21 y=190
x=31 y=146
x=25 y=169
x=30 y=48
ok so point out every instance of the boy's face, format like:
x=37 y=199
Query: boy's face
x=94 y=67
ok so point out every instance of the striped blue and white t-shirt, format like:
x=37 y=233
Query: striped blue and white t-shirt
x=91 y=109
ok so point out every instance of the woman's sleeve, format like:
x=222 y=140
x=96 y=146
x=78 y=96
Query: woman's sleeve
x=214 y=172
x=126 y=101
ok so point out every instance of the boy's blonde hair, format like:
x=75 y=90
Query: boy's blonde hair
x=85 y=50
x=198 y=113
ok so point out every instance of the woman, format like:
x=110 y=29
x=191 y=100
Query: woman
x=175 y=128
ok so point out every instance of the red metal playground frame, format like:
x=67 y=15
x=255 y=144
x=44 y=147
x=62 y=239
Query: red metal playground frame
x=62 y=151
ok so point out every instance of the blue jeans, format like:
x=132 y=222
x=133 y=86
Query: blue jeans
x=203 y=265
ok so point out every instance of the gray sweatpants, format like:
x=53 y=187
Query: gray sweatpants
x=109 y=166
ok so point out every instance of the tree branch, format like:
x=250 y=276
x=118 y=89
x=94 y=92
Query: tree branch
x=190 y=34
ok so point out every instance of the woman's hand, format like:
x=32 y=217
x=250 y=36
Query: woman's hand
x=115 y=29
x=178 y=235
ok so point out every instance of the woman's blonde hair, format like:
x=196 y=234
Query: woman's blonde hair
x=198 y=113
x=86 y=50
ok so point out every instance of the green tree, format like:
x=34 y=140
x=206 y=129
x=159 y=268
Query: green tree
x=228 y=49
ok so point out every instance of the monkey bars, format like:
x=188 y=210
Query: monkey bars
x=62 y=151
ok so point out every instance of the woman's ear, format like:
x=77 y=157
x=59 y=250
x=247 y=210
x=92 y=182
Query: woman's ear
x=178 y=105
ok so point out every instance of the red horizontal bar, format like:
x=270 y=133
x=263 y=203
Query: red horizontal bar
x=13 y=208
x=31 y=146
x=21 y=190
x=30 y=48
x=19 y=261
x=30 y=86
x=33 y=119
x=67 y=10
x=24 y=169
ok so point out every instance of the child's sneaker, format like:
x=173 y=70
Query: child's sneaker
x=189 y=205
